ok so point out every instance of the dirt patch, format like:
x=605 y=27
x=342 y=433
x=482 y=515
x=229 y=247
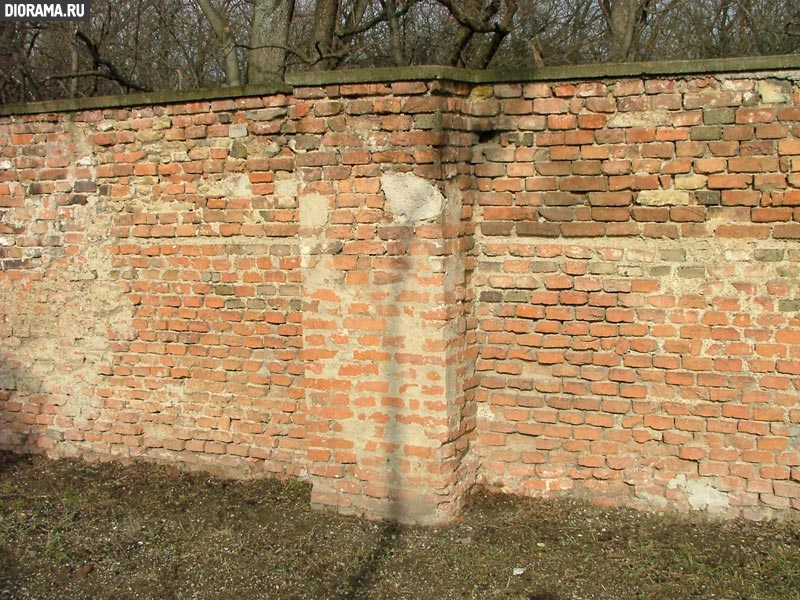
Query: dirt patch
x=86 y=531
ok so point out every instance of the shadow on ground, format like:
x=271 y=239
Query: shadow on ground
x=74 y=530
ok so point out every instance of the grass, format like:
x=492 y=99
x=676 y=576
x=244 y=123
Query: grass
x=74 y=530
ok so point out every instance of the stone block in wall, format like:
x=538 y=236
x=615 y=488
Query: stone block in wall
x=663 y=198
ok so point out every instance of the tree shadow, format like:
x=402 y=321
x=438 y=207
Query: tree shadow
x=19 y=429
x=10 y=459
x=364 y=579
x=9 y=570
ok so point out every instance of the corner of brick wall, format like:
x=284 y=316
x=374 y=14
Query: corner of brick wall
x=384 y=257
x=395 y=290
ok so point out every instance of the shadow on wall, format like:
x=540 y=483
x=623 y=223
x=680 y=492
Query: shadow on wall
x=392 y=436
x=411 y=202
x=21 y=403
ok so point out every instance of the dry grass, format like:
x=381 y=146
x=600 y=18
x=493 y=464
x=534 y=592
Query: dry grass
x=73 y=530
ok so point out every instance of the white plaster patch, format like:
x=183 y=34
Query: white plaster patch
x=485 y=412
x=775 y=92
x=237 y=131
x=233 y=186
x=313 y=210
x=663 y=198
x=701 y=494
x=411 y=199
x=5 y=165
x=651 y=118
x=286 y=187
x=738 y=255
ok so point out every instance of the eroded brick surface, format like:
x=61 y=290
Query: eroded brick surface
x=398 y=290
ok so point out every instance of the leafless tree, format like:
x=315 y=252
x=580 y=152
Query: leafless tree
x=625 y=20
x=729 y=28
x=483 y=25
x=139 y=45
x=269 y=37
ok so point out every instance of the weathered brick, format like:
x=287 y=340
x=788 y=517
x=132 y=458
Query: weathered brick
x=492 y=299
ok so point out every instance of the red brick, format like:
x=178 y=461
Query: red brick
x=728 y=181
x=576 y=344
x=582 y=229
x=755 y=115
x=743 y=231
x=768 y=215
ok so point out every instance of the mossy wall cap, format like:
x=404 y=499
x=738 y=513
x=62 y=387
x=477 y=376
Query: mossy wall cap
x=786 y=62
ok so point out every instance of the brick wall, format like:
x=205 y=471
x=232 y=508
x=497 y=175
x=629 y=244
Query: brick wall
x=638 y=291
x=151 y=286
x=401 y=287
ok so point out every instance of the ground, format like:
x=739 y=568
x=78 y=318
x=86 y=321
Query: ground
x=71 y=530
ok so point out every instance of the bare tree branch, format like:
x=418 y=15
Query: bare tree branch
x=78 y=74
x=466 y=20
x=481 y=19
x=113 y=73
x=389 y=7
x=382 y=16
x=222 y=30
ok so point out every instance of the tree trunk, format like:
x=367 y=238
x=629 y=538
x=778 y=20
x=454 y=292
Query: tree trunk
x=477 y=19
x=396 y=36
x=625 y=20
x=222 y=30
x=269 y=36
x=323 y=36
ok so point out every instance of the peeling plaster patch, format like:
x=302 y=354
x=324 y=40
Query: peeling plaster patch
x=410 y=199
x=5 y=165
x=775 y=92
x=485 y=412
x=663 y=198
x=701 y=494
x=657 y=502
x=233 y=186
x=313 y=210
x=179 y=156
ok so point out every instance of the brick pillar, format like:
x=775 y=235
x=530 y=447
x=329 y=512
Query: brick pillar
x=385 y=347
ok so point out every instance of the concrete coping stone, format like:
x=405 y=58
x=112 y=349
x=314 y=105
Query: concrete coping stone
x=562 y=73
x=144 y=99
x=757 y=64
